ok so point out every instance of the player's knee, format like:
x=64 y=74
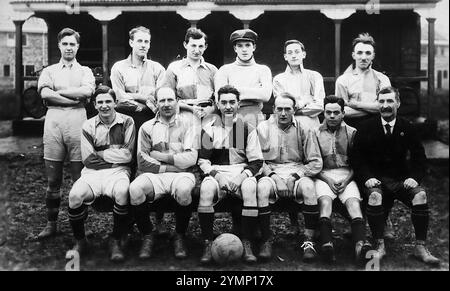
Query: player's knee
x=76 y=198
x=248 y=190
x=353 y=207
x=263 y=191
x=207 y=192
x=121 y=193
x=420 y=198
x=375 y=199
x=184 y=192
x=309 y=194
x=325 y=202
x=137 y=194
x=53 y=183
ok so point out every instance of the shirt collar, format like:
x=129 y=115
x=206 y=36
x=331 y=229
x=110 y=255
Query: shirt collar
x=185 y=63
x=62 y=65
x=324 y=125
x=290 y=71
x=355 y=71
x=130 y=63
x=118 y=119
x=175 y=120
x=391 y=123
x=273 y=119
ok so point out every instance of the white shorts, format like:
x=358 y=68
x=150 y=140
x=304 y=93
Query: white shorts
x=273 y=191
x=166 y=183
x=62 y=133
x=102 y=182
x=220 y=194
x=351 y=191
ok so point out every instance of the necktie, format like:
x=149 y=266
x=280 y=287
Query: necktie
x=388 y=130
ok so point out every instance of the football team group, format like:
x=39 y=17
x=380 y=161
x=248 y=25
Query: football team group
x=193 y=129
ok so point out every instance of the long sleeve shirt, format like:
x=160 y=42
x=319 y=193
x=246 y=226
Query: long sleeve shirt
x=363 y=87
x=306 y=86
x=176 y=138
x=335 y=146
x=224 y=146
x=116 y=141
x=191 y=84
x=60 y=76
x=294 y=150
x=128 y=78
x=254 y=81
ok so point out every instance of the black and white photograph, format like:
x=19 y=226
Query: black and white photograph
x=228 y=142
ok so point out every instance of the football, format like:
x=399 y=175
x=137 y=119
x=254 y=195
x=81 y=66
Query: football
x=227 y=248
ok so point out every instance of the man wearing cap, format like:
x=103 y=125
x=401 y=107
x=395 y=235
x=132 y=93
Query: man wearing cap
x=252 y=80
x=306 y=86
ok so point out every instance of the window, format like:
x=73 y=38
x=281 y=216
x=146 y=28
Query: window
x=29 y=70
x=423 y=72
x=6 y=71
x=11 y=39
x=423 y=50
x=445 y=74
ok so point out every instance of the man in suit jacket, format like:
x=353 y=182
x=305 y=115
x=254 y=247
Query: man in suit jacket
x=381 y=147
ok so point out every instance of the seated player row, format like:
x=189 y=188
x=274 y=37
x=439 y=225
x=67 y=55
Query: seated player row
x=279 y=158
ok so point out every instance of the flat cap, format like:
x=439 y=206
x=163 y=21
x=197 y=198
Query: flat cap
x=244 y=34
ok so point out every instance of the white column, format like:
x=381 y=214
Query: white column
x=338 y=15
x=246 y=15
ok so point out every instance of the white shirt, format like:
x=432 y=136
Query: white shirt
x=392 y=123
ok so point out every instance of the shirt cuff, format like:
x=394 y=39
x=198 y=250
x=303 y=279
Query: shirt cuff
x=162 y=168
x=248 y=173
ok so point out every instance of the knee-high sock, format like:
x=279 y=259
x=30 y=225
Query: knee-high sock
x=358 y=229
x=76 y=218
x=325 y=230
x=375 y=217
x=249 y=221
x=264 y=222
x=142 y=216
x=206 y=219
x=52 y=205
x=420 y=217
x=182 y=217
x=311 y=215
x=120 y=218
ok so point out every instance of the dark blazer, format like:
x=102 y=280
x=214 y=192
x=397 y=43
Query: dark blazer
x=375 y=155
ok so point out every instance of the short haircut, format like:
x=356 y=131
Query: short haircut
x=287 y=95
x=103 y=89
x=227 y=89
x=195 y=33
x=68 y=32
x=164 y=87
x=365 y=38
x=291 y=41
x=138 y=28
x=390 y=89
x=334 y=99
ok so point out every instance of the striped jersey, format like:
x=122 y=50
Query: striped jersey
x=226 y=146
x=115 y=141
x=294 y=150
x=176 y=138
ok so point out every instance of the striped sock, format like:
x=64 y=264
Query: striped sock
x=249 y=221
x=311 y=215
x=120 y=218
x=206 y=219
x=76 y=218
x=264 y=222
x=420 y=217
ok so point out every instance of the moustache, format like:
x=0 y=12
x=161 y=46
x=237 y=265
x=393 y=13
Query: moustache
x=389 y=110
